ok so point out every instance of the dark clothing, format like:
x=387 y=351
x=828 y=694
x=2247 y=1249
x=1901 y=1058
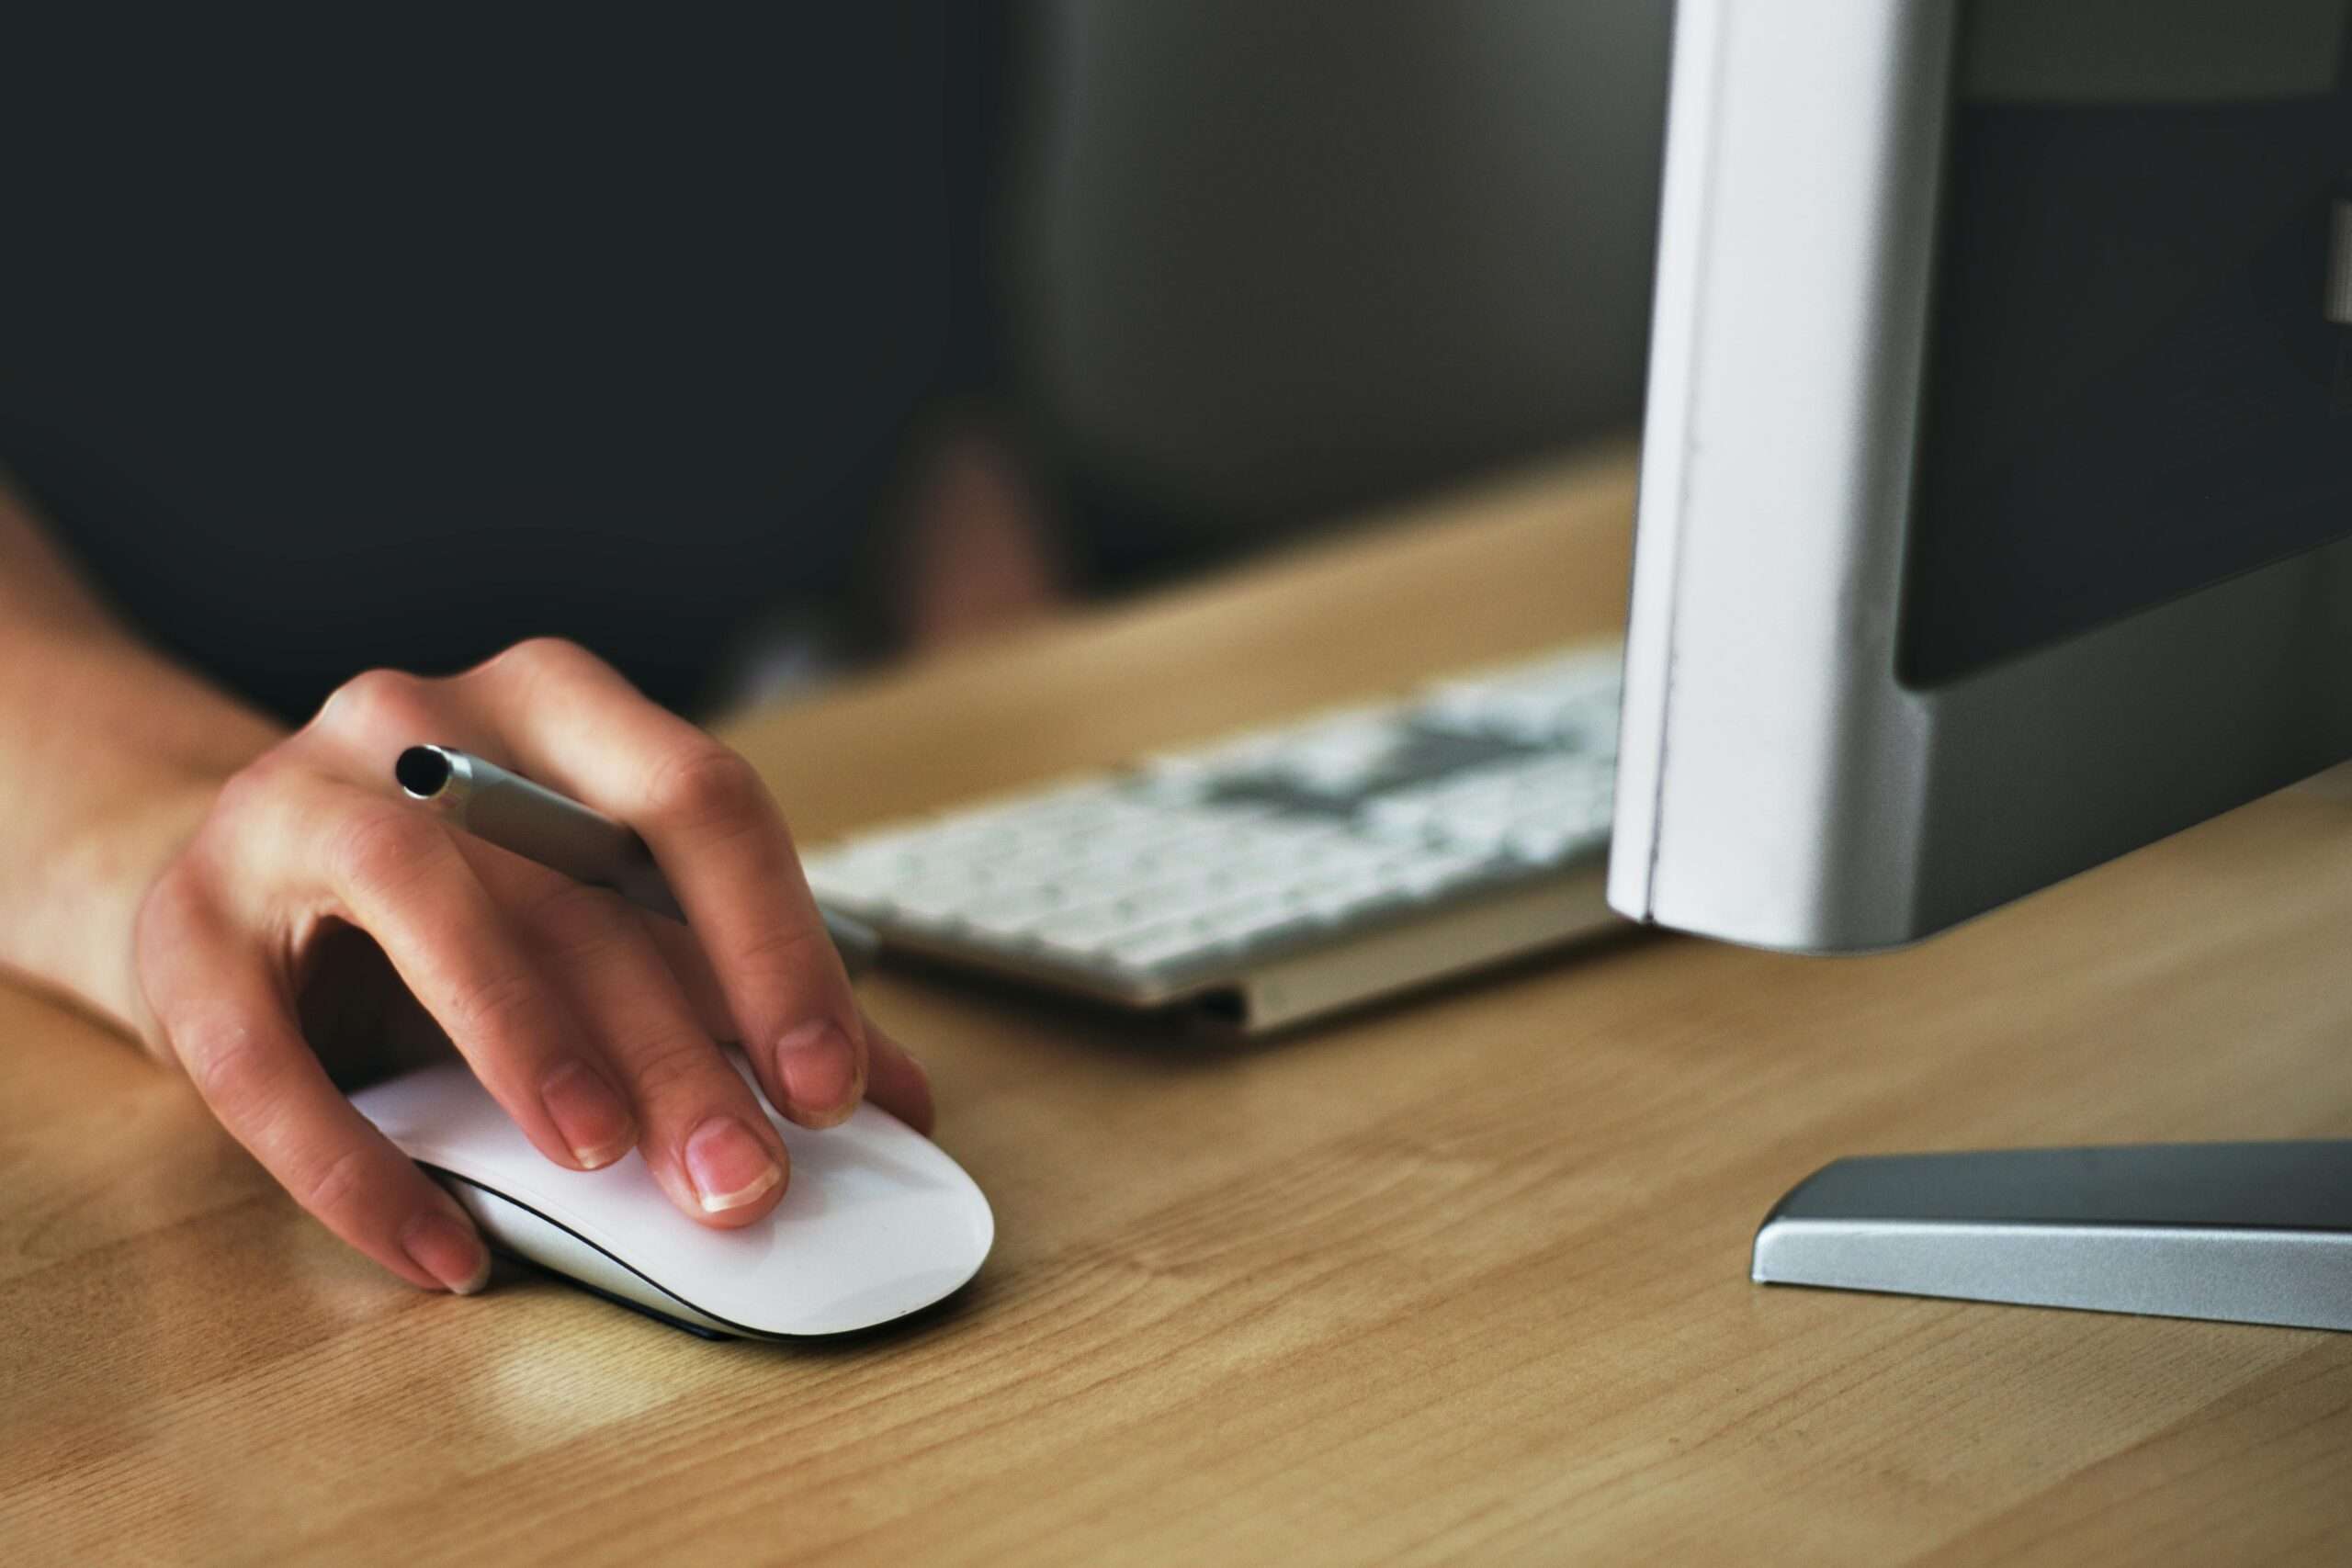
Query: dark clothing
x=388 y=339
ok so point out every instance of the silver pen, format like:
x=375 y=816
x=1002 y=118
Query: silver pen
x=556 y=830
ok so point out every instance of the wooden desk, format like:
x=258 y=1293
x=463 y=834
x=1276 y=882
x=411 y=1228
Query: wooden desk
x=1461 y=1280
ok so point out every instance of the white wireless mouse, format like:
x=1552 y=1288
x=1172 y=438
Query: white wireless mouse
x=877 y=1222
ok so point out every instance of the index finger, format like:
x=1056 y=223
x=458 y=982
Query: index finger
x=573 y=723
x=233 y=1027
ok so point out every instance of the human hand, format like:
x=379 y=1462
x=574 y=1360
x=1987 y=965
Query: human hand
x=594 y=1024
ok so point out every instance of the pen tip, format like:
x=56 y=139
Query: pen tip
x=422 y=770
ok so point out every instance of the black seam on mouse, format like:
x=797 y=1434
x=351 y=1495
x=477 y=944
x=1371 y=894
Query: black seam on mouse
x=651 y=1314
x=740 y=1329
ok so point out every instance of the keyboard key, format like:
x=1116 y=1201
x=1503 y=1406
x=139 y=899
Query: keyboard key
x=1437 y=874
x=1255 y=916
x=1082 y=932
x=1546 y=845
x=1016 y=914
x=939 y=902
x=1160 y=947
x=1407 y=814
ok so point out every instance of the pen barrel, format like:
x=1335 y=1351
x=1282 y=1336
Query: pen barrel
x=555 y=831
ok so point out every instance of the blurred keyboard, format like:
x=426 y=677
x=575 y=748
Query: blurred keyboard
x=1280 y=874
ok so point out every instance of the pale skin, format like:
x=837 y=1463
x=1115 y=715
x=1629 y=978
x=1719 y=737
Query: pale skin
x=256 y=906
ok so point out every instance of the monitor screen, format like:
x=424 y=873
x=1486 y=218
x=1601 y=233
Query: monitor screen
x=2138 y=380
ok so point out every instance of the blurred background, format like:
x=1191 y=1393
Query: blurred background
x=749 y=353
x=1257 y=270
x=1270 y=265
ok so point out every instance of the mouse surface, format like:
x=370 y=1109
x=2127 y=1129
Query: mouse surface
x=875 y=1222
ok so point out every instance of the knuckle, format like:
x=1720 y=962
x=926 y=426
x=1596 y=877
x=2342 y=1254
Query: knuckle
x=785 y=951
x=547 y=649
x=381 y=849
x=329 y=1191
x=578 y=915
x=670 y=1066
x=494 y=1007
x=227 y=1059
x=582 y=927
x=534 y=657
x=378 y=686
x=377 y=703
x=247 y=795
x=703 y=784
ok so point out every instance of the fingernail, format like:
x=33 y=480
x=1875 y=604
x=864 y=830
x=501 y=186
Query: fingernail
x=818 y=1067
x=729 y=1167
x=595 y=1125
x=449 y=1250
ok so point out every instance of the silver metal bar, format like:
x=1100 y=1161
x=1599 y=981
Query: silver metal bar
x=539 y=824
x=2239 y=1232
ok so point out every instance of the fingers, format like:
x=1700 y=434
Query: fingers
x=574 y=724
x=231 y=1024
x=398 y=874
x=705 y=1137
x=896 y=1082
x=894 y=1079
x=374 y=716
x=592 y=1032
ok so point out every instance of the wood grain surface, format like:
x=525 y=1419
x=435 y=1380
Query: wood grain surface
x=1460 y=1280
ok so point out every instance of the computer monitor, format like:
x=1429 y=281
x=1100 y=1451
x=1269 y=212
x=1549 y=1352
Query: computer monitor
x=1996 y=519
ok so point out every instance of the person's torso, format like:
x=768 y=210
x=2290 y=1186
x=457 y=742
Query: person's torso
x=392 y=341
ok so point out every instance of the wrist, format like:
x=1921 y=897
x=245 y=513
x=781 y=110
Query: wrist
x=76 y=936
x=111 y=770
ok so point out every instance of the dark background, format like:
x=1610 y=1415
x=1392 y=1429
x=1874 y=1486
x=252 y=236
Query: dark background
x=333 y=339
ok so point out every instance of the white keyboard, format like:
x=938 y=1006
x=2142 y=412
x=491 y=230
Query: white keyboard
x=1275 y=856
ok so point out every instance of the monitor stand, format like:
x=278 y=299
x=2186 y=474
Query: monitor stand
x=2243 y=1233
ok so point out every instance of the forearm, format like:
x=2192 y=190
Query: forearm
x=109 y=755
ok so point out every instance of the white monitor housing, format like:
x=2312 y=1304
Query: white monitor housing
x=1782 y=784
x=1812 y=761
